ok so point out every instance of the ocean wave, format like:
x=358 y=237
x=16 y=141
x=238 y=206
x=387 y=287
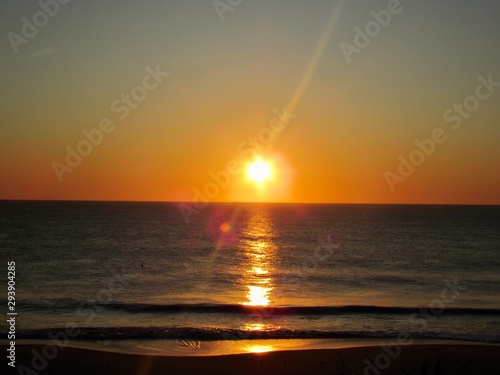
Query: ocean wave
x=204 y=308
x=217 y=334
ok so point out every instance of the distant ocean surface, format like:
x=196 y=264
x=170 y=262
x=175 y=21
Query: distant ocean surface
x=138 y=271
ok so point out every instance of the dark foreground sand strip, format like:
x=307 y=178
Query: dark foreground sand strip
x=414 y=359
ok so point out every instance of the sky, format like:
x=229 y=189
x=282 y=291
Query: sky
x=347 y=101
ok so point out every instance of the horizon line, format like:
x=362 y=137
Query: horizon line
x=250 y=202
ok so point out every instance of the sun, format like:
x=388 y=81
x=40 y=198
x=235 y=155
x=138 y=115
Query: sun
x=259 y=171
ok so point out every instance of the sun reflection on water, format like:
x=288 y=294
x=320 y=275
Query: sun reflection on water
x=260 y=251
x=257 y=296
x=254 y=327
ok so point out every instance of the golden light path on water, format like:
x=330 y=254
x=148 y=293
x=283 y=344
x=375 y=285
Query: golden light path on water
x=260 y=251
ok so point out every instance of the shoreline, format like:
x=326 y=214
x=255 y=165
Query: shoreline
x=194 y=348
x=439 y=358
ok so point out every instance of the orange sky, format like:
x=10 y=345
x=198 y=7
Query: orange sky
x=184 y=90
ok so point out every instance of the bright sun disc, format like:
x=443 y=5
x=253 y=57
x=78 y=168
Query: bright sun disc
x=259 y=171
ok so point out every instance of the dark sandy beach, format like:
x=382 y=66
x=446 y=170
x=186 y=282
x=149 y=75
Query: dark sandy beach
x=414 y=359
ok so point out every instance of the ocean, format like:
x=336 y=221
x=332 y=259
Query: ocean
x=136 y=275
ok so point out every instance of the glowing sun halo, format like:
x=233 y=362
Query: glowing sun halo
x=259 y=171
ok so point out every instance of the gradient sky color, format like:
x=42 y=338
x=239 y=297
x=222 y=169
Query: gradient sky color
x=353 y=120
